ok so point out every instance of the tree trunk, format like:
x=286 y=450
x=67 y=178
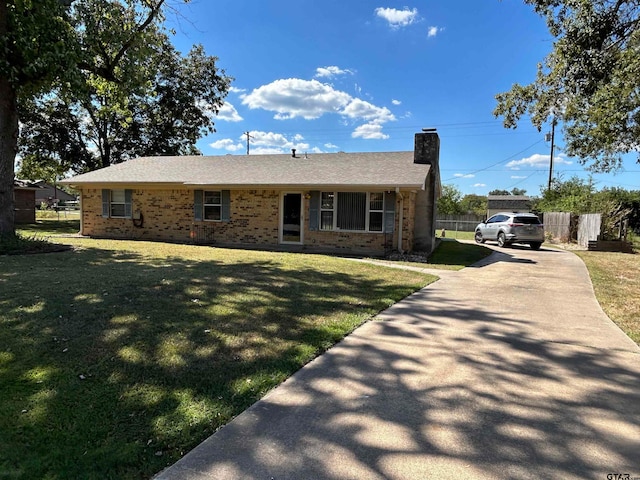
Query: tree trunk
x=8 y=140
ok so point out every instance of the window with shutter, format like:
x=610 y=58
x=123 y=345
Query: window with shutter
x=212 y=205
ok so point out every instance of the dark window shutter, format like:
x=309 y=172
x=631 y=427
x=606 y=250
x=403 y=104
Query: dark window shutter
x=226 y=206
x=198 y=199
x=314 y=210
x=389 y=211
x=106 y=199
x=127 y=203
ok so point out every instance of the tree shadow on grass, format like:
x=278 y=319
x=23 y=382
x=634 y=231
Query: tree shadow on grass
x=113 y=365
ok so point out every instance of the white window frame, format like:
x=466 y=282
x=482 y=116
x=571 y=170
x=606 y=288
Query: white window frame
x=205 y=205
x=334 y=210
x=113 y=203
x=370 y=211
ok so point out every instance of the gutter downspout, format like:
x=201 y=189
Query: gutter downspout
x=400 y=220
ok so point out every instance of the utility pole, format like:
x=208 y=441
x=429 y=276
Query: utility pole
x=553 y=132
x=248 y=137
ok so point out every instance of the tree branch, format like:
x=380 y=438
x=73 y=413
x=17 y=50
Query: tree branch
x=155 y=9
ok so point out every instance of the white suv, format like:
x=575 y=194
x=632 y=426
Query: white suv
x=512 y=227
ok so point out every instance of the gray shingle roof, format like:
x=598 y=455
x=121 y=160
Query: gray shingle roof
x=377 y=169
x=514 y=198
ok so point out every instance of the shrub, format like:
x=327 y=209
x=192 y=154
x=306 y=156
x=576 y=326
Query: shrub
x=15 y=244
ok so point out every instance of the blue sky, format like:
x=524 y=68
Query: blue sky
x=363 y=75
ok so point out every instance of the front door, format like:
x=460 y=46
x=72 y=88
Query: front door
x=291 y=218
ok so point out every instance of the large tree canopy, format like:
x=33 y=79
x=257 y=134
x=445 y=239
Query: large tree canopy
x=36 y=48
x=114 y=87
x=590 y=82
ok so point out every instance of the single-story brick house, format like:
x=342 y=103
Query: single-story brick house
x=24 y=201
x=361 y=203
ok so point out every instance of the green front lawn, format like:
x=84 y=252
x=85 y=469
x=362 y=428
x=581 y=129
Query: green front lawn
x=454 y=255
x=616 y=282
x=48 y=227
x=118 y=357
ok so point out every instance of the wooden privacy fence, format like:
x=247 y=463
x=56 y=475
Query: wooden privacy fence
x=567 y=227
x=559 y=225
x=589 y=227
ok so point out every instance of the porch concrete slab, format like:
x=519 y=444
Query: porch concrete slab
x=508 y=369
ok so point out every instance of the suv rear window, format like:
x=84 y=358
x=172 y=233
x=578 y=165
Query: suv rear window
x=527 y=220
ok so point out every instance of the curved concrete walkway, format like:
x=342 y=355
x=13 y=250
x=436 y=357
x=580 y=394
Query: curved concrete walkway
x=508 y=369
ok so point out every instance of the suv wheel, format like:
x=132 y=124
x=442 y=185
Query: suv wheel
x=478 y=237
x=502 y=240
x=535 y=245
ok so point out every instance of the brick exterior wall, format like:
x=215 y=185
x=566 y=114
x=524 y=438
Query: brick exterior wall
x=408 y=220
x=168 y=215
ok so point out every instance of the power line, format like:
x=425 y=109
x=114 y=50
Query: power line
x=501 y=161
x=320 y=132
x=524 y=179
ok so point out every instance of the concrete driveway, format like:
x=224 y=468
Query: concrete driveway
x=508 y=369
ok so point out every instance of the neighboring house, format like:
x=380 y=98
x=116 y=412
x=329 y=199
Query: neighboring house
x=507 y=203
x=51 y=194
x=24 y=201
x=364 y=203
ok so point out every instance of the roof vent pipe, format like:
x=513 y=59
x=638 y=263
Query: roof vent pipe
x=293 y=152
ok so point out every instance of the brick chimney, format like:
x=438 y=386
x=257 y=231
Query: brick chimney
x=427 y=147
x=427 y=152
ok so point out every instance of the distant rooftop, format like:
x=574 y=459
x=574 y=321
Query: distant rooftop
x=508 y=197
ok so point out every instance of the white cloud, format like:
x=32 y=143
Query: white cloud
x=208 y=109
x=293 y=97
x=229 y=113
x=331 y=72
x=271 y=139
x=227 y=144
x=369 y=131
x=330 y=145
x=536 y=160
x=267 y=143
x=237 y=90
x=462 y=175
x=396 y=102
x=270 y=142
x=479 y=185
x=310 y=99
x=517 y=177
x=358 y=108
x=433 y=31
x=398 y=18
x=265 y=150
